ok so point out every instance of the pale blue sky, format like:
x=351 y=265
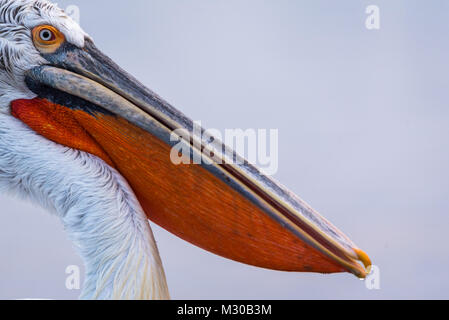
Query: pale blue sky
x=363 y=120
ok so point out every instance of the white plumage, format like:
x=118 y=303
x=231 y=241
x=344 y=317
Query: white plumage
x=96 y=206
x=17 y=51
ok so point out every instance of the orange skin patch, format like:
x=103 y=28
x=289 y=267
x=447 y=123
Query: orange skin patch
x=57 y=124
x=186 y=200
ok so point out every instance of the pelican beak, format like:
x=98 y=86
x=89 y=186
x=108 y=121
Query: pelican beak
x=85 y=101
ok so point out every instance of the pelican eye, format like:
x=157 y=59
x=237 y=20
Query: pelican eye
x=47 y=39
x=47 y=35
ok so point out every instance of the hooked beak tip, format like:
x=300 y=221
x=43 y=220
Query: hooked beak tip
x=365 y=259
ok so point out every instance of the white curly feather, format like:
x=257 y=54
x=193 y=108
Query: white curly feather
x=97 y=207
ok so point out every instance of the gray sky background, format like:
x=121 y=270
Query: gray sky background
x=363 y=120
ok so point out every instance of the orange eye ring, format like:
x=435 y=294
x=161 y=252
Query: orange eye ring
x=47 y=39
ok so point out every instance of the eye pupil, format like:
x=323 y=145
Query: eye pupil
x=46 y=35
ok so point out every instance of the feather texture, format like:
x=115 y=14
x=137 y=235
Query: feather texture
x=96 y=206
x=17 y=51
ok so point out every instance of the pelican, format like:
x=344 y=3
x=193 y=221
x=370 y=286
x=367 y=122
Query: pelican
x=85 y=140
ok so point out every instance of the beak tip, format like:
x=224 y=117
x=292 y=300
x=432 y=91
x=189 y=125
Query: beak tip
x=365 y=259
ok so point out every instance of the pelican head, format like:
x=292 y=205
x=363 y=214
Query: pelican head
x=85 y=139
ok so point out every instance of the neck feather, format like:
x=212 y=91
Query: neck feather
x=97 y=207
x=118 y=247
